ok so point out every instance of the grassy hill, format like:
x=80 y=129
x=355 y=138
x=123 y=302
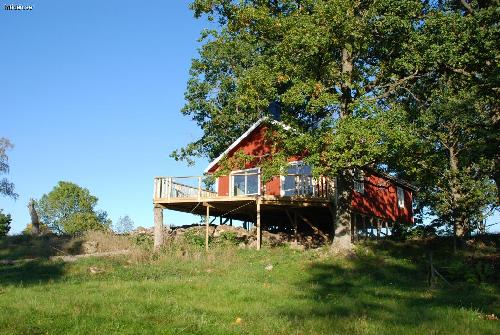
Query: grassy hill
x=382 y=289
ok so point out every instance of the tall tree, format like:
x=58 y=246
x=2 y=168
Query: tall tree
x=70 y=209
x=455 y=112
x=326 y=62
x=6 y=187
x=366 y=83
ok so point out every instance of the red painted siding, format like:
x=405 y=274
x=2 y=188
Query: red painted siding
x=255 y=144
x=380 y=199
x=223 y=186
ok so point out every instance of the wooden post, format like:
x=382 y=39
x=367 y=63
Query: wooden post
x=158 y=227
x=259 y=236
x=378 y=228
x=365 y=230
x=295 y=227
x=199 y=188
x=207 y=218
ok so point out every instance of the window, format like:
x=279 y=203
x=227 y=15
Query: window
x=245 y=182
x=297 y=181
x=359 y=181
x=401 y=197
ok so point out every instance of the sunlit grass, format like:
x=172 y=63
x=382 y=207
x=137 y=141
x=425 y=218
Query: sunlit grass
x=229 y=291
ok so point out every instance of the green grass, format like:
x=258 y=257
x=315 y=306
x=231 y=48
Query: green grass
x=382 y=290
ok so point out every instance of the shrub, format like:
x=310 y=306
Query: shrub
x=5 y=221
x=196 y=239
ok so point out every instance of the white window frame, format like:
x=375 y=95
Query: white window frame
x=236 y=172
x=282 y=178
x=359 y=181
x=400 y=195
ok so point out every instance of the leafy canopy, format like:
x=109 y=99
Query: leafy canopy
x=70 y=209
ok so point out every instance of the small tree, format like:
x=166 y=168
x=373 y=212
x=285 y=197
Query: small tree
x=69 y=209
x=124 y=225
x=6 y=187
x=5 y=221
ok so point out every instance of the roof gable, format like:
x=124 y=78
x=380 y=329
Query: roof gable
x=240 y=139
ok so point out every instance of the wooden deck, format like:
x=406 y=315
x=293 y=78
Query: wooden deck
x=186 y=194
x=312 y=198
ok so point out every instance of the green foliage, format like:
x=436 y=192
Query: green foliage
x=80 y=222
x=196 y=238
x=228 y=238
x=70 y=209
x=410 y=87
x=144 y=241
x=6 y=187
x=44 y=229
x=5 y=221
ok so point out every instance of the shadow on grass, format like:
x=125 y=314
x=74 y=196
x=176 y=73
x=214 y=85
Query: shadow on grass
x=26 y=247
x=388 y=287
x=30 y=272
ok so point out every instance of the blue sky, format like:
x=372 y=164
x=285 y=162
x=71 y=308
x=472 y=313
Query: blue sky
x=91 y=92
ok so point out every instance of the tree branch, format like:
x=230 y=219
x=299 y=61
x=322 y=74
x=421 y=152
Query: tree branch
x=467 y=6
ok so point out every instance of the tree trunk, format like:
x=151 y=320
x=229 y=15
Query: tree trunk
x=346 y=83
x=35 y=222
x=342 y=230
x=459 y=223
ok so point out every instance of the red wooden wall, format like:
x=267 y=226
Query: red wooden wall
x=379 y=198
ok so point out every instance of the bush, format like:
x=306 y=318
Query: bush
x=228 y=237
x=196 y=239
x=81 y=222
x=5 y=221
x=44 y=229
x=144 y=241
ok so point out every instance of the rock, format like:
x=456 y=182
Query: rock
x=95 y=270
x=269 y=267
x=296 y=246
x=252 y=244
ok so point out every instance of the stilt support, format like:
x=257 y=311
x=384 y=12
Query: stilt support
x=207 y=219
x=259 y=235
x=158 y=227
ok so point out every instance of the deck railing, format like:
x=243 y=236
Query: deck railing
x=171 y=187
x=307 y=185
x=194 y=187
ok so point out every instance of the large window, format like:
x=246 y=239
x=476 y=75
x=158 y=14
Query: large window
x=245 y=182
x=359 y=181
x=298 y=180
x=401 y=197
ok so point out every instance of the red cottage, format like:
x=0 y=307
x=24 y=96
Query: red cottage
x=292 y=202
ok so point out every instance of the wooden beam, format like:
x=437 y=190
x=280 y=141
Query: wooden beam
x=378 y=228
x=158 y=227
x=293 y=222
x=259 y=235
x=207 y=218
x=316 y=230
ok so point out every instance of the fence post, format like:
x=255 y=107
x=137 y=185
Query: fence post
x=199 y=188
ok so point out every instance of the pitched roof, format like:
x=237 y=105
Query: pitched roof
x=242 y=137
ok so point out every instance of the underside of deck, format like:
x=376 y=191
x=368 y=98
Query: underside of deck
x=276 y=213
